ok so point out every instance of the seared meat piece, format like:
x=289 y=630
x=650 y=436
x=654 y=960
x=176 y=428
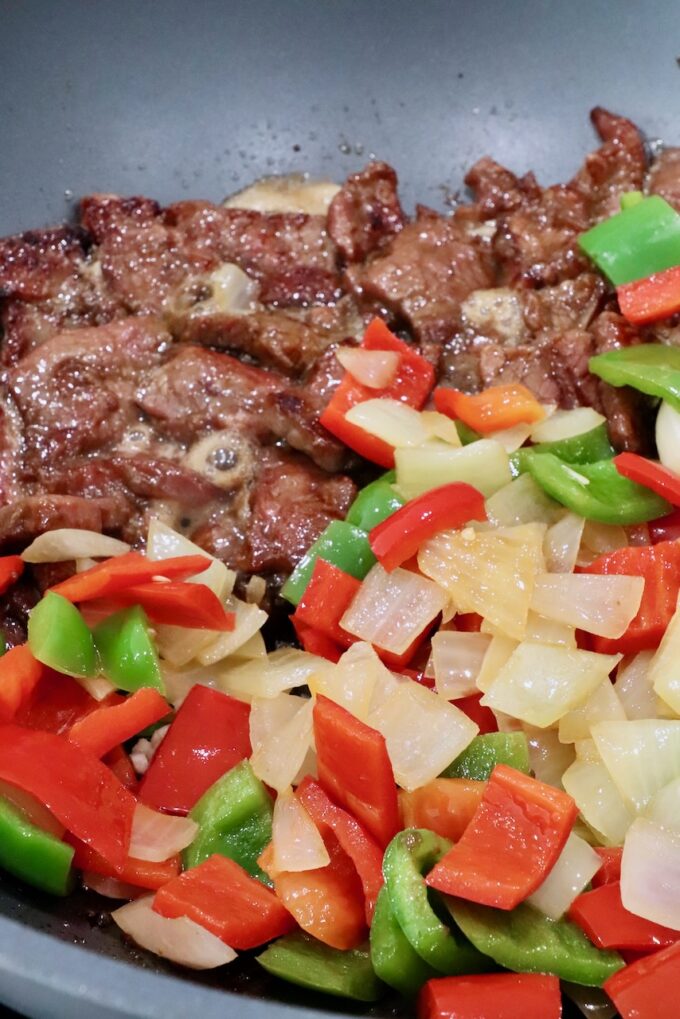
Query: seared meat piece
x=143 y=477
x=618 y=165
x=34 y=265
x=497 y=189
x=25 y=519
x=290 y=415
x=571 y=304
x=366 y=212
x=664 y=177
x=15 y=606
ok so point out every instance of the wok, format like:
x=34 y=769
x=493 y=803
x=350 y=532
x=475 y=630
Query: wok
x=180 y=100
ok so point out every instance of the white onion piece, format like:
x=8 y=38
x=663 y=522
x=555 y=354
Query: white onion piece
x=549 y=631
x=603 y=705
x=423 y=732
x=110 y=887
x=280 y=671
x=350 y=683
x=497 y=654
x=85 y=564
x=386 y=684
x=249 y=619
x=511 y=438
x=292 y=192
x=296 y=842
x=599 y=801
x=483 y=464
x=178 y=682
x=634 y=688
x=280 y=735
x=97 y=686
x=439 y=426
x=603 y=605
x=457 y=660
x=664 y=674
x=392 y=609
x=256 y=589
x=664 y=806
x=668 y=436
x=375 y=369
x=521 y=502
x=641 y=756
x=178 y=645
x=575 y=866
x=541 y=682
x=66 y=543
x=232 y=292
x=390 y=420
x=179 y=940
x=586 y=750
x=599 y=539
x=650 y=873
x=549 y=758
x=562 y=543
x=591 y=1001
x=164 y=543
x=254 y=649
x=157 y=837
x=565 y=424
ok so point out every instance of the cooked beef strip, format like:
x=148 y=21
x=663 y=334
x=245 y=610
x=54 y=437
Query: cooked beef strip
x=366 y=212
x=664 y=176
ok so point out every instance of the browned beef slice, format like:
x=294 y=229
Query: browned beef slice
x=664 y=177
x=101 y=214
x=25 y=519
x=366 y=212
x=618 y=165
x=15 y=606
x=629 y=419
x=144 y=477
x=34 y=265
x=497 y=189
x=571 y=304
x=290 y=415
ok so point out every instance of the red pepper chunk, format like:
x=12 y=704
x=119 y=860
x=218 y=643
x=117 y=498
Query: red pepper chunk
x=140 y=873
x=511 y=843
x=57 y=703
x=316 y=642
x=114 y=575
x=325 y=600
x=491 y=996
x=82 y=793
x=652 y=298
x=412 y=385
x=19 y=676
x=603 y=917
x=11 y=568
x=648 y=988
x=400 y=536
x=355 y=770
x=493 y=409
x=107 y=727
x=652 y=475
x=208 y=736
x=220 y=896
x=177 y=604
x=611 y=865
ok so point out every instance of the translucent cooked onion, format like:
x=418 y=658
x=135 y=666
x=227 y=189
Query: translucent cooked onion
x=483 y=464
x=68 y=543
x=392 y=609
x=352 y=681
x=179 y=940
x=549 y=631
x=157 y=837
x=598 y=539
x=373 y=368
x=634 y=686
x=575 y=866
x=603 y=705
x=232 y=292
x=280 y=671
x=650 y=873
x=549 y=758
x=280 y=735
x=423 y=732
x=110 y=887
x=512 y=438
x=603 y=605
x=664 y=674
x=390 y=420
x=178 y=645
x=641 y=756
x=97 y=686
x=164 y=543
x=565 y=424
x=541 y=682
x=457 y=661
x=562 y=543
x=668 y=436
x=598 y=799
x=497 y=654
x=521 y=502
x=292 y=192
x=664 y=806
x=249 y=619
x=439 y=426
x=296 y=842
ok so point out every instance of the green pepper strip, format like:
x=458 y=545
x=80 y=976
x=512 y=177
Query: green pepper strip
x=596 y=491
x=302 y=960
x=466 y=434
x=526 y=941
x=32 y=854
x=587 y=448
x=375 y=503
x=59 y=638
x=637 y=242
x=653 y=368
x=127 y=650
x=409 y=855
x=343 y=545
x=482 y=755
x=234 y=818
x=394 y=960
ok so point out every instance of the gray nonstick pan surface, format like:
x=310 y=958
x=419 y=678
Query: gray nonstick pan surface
x=177 y=100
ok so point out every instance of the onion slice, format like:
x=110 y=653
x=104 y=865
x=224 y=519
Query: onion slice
x=156 y=837
x=66 y=543
x=603 y=605
x=575 y=866
x=375 y=369
x=280 y=735
x=390 y=420
x=650 y=873
x=296 y=842
x=457 y=659
x=179 y=940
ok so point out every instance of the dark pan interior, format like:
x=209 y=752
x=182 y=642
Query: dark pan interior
x=179 y=100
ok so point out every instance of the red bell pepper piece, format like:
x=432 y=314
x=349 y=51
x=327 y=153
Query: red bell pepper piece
x=208 y=736
x=355 y=770
x=493 y=409
x=57 y=703
x=652 y=475
x=220 y=896
x=665 y=528
x=362 y=849
x=11 y=568
x=175 y=603
x=120 y=764
x=652 y=298
x=400 y=536
x=491 y=996
x=478 y=712
x=511 y=843
x=19 y=676
x=468 y=622
x=412 y=385
x=603 y=917
x=327 y=596
x=445 y=806
x=105 y=728
x=114 y=575
x=659 y=565
x=80 y=791
x=316 y=642
x=141 y=873
x=611 y=865
x=648 y=989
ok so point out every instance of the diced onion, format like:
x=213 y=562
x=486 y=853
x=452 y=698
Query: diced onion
x=256 y=589
x=373 y=368
x=549 y=631
x=423 y=732
x=66 y=543
x=562 y=543
x=664 y=806
x=291 y=192
x=249 y=619
x=565 y=424
x=641 y=756
x=390 y=420
x=180 y=940
x=603 y=705
x=650 y=873
x=232 y=292
x=512 y=438
x=178 y=682
x=549 y=758
x=575 y=866
x=296 y=842
x=483 y=464
x=668 y=436
x=603 y=605
x=457 y=660
x=178 y=645
x=521 y=502
x=598 y=539
x=598 y=799
x=282 y=670
x=97 y=686
x=634 y=688
x=164 y=543
x=497 y=654
x=110 y=887
x=280 y=735
x=157 y=837
x=439 y=426
x=664 y=674
x=351 y=682
x=392 y=609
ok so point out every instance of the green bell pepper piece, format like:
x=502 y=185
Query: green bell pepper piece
x=394 y=960
x=526 y=941
x=587 y=448
x=127 y=650
x=408 y=857
x=653 y=368
x=59 y=638
x=630 y=198
x=375 y=503
x=343 y=545
x=482 y=755
x=466 y=434
x=640 y=240
x=3 y=643
x=596 y=491
x=234 y=818
x=33 y=855
x=302 y=960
